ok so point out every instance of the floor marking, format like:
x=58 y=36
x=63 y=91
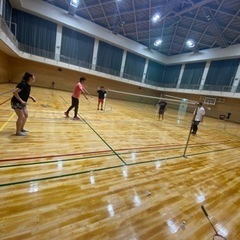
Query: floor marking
x=4 y=125
x=99 y=169
x=61 y=176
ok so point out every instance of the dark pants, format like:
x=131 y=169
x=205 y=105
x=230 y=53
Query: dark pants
x=195 y=126
x=75 y=103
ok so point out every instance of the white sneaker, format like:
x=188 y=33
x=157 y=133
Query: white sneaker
x=21 y=134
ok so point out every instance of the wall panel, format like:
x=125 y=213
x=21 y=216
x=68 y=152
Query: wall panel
x=4 y=67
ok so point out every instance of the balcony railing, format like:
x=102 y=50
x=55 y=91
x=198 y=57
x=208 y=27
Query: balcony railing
x=77 y=62
x=4 y=26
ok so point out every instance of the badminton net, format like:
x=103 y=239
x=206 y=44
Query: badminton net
x=176 y=109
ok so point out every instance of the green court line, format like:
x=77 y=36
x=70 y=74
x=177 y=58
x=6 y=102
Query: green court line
x=103 y=169
x=63 y=98
x=219 y=150
x=155 y=160
x=88 y=157
x=103 y=141
x=61 y=176
x=98 y=135
x=54 y=161
x=154 y=150
x=106 y=155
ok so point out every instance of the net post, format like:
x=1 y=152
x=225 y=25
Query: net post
x=105 y=100
x=189 y=134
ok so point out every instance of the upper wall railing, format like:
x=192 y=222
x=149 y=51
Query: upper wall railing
x=76 y=62
x=4 y=26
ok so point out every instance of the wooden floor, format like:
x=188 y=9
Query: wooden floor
x=116 y=174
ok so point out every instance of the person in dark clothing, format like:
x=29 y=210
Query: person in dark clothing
x=21 y=94
x=162 y=107
x=101 y=96
x=228 y=116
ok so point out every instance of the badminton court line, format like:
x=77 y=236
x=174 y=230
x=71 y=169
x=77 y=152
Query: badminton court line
x=6 y=122
x=52 y=156
x=55 y=161
x=104 y=141
x=94 y=156
x=143 y=148
x=95 y=170
x=98 y=135
x=61 y=176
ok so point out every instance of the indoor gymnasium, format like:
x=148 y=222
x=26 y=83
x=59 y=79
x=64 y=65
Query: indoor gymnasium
x=119 y=119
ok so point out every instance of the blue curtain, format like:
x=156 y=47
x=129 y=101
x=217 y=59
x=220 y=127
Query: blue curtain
x=36 y=35
x=76 y=48
x=109 y=59
x=221 y=75
x=7 y=10
x=238 y=88
x=134 y=67
x=171 y=75
x=155 y=73
x=192 y=75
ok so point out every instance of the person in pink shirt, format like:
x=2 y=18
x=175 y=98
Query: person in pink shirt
x=79 y=88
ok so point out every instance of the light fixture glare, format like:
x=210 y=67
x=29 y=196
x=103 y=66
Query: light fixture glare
x=157 y=42
x=190 y=43
x=156 y=17
x=74 y=3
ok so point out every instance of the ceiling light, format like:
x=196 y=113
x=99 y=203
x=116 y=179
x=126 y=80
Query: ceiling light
x=121 y=23
x=190 y=43
x=156 y=17
x=157 y=42
x=74 y=3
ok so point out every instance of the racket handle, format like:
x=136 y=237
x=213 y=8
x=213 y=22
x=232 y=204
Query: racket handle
x=205 y=212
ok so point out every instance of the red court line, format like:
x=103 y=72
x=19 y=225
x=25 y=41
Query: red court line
x=82 y=153
x=108 y=151
x=173 y=145
x=52 y=156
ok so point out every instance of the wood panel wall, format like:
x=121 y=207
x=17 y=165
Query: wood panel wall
x=4 y=67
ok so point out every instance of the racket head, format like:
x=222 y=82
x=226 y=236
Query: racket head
x=218 y=237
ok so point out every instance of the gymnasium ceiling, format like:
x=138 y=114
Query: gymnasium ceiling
x=209 y=23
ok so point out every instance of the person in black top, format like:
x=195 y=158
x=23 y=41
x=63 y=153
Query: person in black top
x=101 y=95
x=21 y=94
x=162 y=107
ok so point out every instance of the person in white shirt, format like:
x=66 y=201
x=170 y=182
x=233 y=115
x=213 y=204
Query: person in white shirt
x=198 y=117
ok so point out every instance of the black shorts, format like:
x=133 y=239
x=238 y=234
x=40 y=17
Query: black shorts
x=15 y=105
x=161 y=111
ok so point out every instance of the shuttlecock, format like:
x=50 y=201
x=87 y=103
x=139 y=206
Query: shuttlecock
x=183 y=225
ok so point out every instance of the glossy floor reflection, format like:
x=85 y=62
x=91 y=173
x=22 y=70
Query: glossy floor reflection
x=116 y=174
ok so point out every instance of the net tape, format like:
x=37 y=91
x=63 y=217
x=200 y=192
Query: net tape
x=172 y=99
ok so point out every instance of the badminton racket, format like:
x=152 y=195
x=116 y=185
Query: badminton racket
x=216 y=236
x=88 y=101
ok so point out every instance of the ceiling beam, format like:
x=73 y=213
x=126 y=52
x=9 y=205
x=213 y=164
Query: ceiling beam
x=220 y=39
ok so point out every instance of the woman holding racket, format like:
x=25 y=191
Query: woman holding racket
x=21 y=94
x=79 y=88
